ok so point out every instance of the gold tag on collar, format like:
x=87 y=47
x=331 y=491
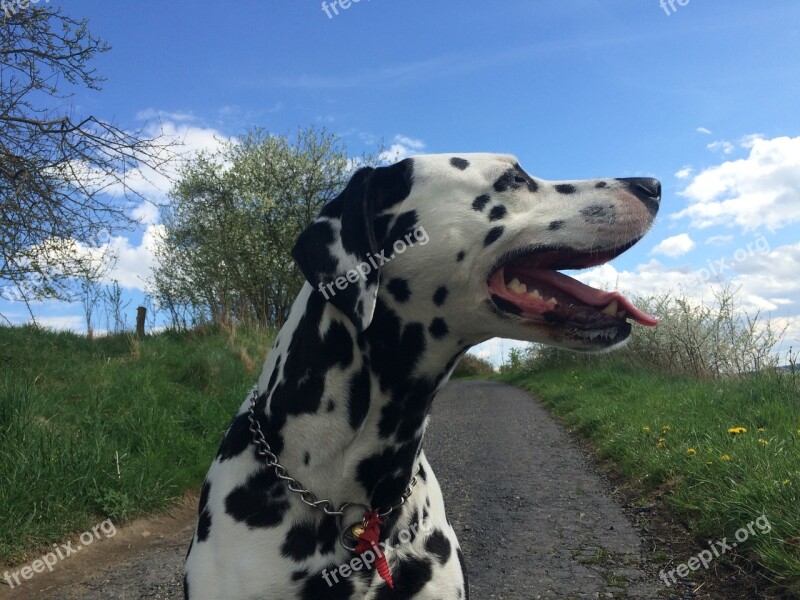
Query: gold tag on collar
x=357 y=531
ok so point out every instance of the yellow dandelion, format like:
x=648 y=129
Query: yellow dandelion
x=762 y=441
x=798 y=432
x=762 y=429
x=725 y=458
x=646 y=429
x=662 y=443
x=665 y=429
x=737 y=430
x=787 y=482
x=691 y=451
x=709 y=462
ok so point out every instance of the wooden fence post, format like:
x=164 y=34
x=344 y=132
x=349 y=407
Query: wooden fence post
x=141 y=313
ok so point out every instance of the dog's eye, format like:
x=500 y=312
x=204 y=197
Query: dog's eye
x=520 y=179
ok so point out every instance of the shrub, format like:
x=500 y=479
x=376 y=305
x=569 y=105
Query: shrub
x=471 y=366
x=704 y=341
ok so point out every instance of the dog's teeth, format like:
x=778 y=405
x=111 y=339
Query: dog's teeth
x=517 y=286
x=535 y=294
x=611 y=309
x=622 y=314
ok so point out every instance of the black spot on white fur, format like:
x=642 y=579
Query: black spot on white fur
x=399 y=289
x=236 y=439
x=480 y=202
x=301 y=542
x=204 y=519
x=566 y=188
x=438 y=545
x=506 y=181
x=440 y=297
x=316 y=588
x=555 y=225
x=438 y=328
x=493 y=235
x=463 y=564
x=359 y=398
x=410 y=576
x=459 y=163
x=498 y=212
x=260 y=502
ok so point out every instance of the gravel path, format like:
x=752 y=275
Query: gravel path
x=534 y=519
x=532 y=516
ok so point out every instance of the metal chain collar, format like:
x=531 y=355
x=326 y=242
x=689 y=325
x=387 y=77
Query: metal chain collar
x=307 y=496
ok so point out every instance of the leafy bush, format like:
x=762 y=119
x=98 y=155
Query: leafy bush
x=471 y=366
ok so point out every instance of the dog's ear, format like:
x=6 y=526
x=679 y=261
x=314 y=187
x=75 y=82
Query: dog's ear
x=338 y=252
x=336 y=247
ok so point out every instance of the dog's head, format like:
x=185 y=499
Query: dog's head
x=475 y=245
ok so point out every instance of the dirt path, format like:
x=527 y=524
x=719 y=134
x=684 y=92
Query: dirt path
x=143 y=560
x=533 y=517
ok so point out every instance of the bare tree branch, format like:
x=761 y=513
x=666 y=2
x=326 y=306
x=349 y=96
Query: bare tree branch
x=64 y=179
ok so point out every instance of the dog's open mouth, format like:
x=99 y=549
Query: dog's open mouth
x=530 y=286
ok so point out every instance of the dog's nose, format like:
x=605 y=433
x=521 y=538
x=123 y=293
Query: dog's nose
x=646 y=189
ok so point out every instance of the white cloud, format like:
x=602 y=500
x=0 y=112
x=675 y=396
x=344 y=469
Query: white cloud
x=749 y=141
x=75 y=323
x=718 y=240
x=146 y=213
x=722 y=145
x=176 y=137
x=684 y=173
x=151 y=114
x=134 y=263
x=703 y=130
x=402 y=147
x=674 y=246
x=761 y=190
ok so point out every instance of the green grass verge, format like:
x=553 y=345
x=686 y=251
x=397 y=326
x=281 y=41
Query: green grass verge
x=74 y=411
x=670 y=435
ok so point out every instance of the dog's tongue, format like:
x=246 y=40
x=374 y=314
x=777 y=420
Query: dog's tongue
x=592 y=296
x=543 y=278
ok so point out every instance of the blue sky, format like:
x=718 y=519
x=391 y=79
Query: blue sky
x=705 y=98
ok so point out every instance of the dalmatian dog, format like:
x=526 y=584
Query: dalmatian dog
x=410 y=266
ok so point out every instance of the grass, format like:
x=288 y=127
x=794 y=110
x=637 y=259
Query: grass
x=670 y=435
x=111 y=428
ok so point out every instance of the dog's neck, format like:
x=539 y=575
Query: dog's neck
x=346 y=410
